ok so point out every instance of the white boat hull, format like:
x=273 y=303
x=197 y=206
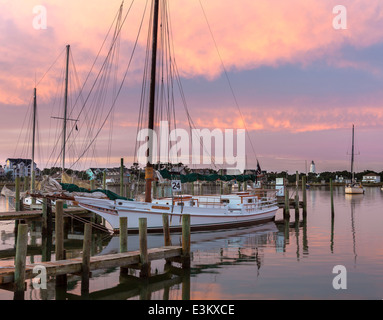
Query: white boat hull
x=201 y=218
x=354 y=190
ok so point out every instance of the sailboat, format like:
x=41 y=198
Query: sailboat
x=354 y=187
x=29 y=201
x=206 y=212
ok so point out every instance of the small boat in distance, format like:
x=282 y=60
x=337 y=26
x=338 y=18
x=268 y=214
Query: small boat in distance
x=354 y=187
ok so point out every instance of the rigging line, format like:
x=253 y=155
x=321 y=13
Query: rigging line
x=50 y=67
x=59 y=131
x=145 y=79
x=190 y=120
x=115 y=78
x=118 y=92
x=94 y=225
x=183 y=98
x=25 y=117
x=227 y=78
x=53 y=107
x=102 y=45
x=106 y=59
x=98 y=75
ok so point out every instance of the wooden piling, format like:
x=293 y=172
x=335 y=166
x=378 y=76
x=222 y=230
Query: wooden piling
x=144 y=260
x=122 y=177
x=86 y=253
x=123 y=234
x=124 y=240
x=297 y=196
x=59 y=239
x=44 y=228
x=59 y=230
x=332 y=198
x=185 y=241
x=286 y=210
x=304 y=196
x=165 y=223
x=17 y=193
x=296 y=207
x=186 y=285
x=20 y=259
x=26 y=183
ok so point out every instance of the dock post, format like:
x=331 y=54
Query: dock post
x=186 y=285
x=26 y=183
x=165 y=223
x=304 y=195
x=44 y=229
x=122 y=178
x=17 y=193
x=104 y=180
x=20 y=260
x=185 y=241
x=49 y=217
x=297 y=196
x=124 y=240
x=123 y=234
x=59 y=239
x=59 y=230
x=286 y=210
x=332 y=198
x=144 y=258
x=85 y=270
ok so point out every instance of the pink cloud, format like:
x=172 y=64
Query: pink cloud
x=248 y=34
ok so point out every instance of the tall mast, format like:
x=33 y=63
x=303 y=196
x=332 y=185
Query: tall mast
x=33 y=142
x=65 y=107
x=352 y=156
x=149 y=165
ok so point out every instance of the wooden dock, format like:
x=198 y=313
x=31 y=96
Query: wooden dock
x=13 y=277
x=74 y=266
x=38 y=214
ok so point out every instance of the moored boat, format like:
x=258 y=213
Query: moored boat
x=206 y=212
x=353 y=187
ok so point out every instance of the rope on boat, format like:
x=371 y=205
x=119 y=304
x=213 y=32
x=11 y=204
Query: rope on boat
x=94 y=225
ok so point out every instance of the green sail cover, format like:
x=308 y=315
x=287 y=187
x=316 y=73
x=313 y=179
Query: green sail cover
x=74 y=188
x=211 y=177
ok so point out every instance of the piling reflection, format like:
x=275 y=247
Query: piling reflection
x=355 y=200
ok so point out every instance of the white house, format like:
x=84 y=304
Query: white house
x=20 y=167
x=371 y=177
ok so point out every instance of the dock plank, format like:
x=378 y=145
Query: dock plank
x=33 y=214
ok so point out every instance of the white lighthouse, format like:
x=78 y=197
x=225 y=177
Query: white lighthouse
x=312 y=167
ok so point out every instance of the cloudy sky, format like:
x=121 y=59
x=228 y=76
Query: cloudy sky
x=302 y=74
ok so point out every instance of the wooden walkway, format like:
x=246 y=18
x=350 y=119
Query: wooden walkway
x=62 y=267
x=37 y=214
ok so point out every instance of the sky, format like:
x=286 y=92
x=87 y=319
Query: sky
x=297 y=75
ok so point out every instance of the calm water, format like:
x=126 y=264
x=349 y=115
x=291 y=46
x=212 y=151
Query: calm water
x=268 y=261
